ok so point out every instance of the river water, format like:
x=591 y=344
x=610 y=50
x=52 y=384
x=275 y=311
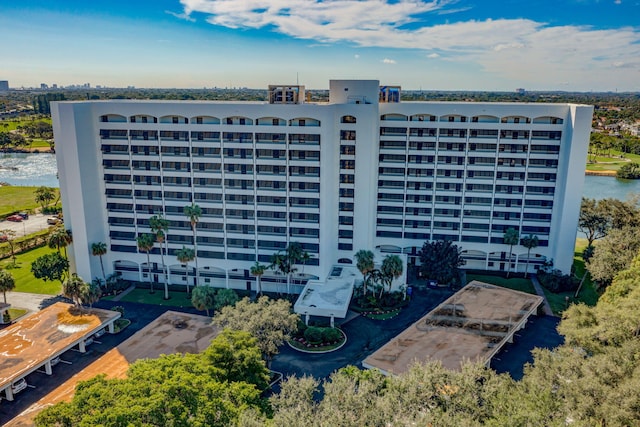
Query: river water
x=41 y=169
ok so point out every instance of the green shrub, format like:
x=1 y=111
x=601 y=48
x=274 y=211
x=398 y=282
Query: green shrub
x=330 y=335
x=225 y=297
x=556 y=282
x=313 y=334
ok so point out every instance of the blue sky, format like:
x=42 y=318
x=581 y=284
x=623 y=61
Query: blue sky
x=576 y=45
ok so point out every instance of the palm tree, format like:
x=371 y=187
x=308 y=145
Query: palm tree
x=99 y=249
x=60 y=238
x=194 y=212
x=75 y=289
x=159 y=226
x=145 y=244
x=7 y=283
x=529 y=242
x=364 y=263
x=258 y=270
x=511 y=237
x=185 y=255
x=391 y=269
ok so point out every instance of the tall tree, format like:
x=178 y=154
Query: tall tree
x=159 y=226
x=391 y=269
x=258 y=270
x=529 y=242
x=194 y=212
x=593 y=220
x=51 y=266
x=364 y=263
x=440 y=261
x=44 y=196
x=203 y=298
x=75 y=289
x=613 y=254
x=7 y=283
x=184 y=256
x=60 y=238
x=511 y=238
x=92 y=293
x=286 y=262
x=269 y=321
x=99 y=249
x=145 y=244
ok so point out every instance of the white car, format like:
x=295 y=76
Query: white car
x=55 y=361
x=19 y=385
x=100 y=333
x=88 y=341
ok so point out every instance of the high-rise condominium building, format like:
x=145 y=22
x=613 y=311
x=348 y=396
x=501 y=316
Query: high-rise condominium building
x=4 y=85
x=362 y=171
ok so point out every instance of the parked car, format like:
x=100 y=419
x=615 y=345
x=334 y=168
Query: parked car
x=88 y=341
x=53 y=220
x=24 y=215
x=55 y=361
x=14 y=218
x=19 y=385
x=100 y=333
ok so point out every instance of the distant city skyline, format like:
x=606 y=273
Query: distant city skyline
x=570 y=45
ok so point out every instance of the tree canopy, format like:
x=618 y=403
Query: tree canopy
x=440 y=261
x=209 y=389
x=613 y=254
x=269 y=321
x=51 y=266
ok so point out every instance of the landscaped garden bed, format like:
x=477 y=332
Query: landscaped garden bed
x=377 y=307
x=317 y=339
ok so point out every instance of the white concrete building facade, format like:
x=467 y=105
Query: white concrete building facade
x=362 y=171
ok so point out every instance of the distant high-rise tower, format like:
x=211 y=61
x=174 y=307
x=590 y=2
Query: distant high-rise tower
x=4 y=85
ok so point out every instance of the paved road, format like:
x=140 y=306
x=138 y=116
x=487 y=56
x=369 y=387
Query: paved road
x=35 y=223
x=31 y=302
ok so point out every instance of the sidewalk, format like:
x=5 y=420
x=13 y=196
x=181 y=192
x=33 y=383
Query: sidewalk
x=545 y=304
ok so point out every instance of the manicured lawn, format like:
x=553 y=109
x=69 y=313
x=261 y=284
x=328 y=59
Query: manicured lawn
x=176 y=299
x=16 y=313
x=611 y=163
x=18 y=198
x=13 y=124
x=40 y=144
x=25 y=282
x=516 y=283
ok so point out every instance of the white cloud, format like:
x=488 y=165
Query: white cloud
x=433 y=56
x=388 y=61
x=184 y=15
x=520 y=49
x=356 y=56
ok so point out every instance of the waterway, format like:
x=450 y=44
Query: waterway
x=41 y=169
x=29 y=169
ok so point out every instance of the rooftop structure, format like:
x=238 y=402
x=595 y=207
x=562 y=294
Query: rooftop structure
x=33 y=341
x=473 y=324
x=363 y=171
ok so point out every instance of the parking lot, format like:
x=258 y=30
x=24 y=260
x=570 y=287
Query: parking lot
x=35 y=223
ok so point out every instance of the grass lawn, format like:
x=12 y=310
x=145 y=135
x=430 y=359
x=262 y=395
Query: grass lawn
x=14 y=123
x=40 y=144
x=18 y=198
x=25 y=282
x=176 y=299
x=612 y=163
x=517 y=284
x=16 y=313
